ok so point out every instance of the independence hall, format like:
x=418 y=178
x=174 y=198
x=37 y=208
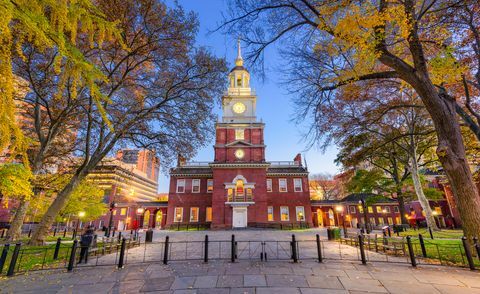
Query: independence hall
x=239 y=188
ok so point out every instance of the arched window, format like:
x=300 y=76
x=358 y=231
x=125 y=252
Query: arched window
x=239 y=190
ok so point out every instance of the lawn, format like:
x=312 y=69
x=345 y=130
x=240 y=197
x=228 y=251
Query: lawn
x=443 y=234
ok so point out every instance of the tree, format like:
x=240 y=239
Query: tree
x=14 y=184
x=44 y=26
x=324 y=187
x=159 y=93
x=337 y=43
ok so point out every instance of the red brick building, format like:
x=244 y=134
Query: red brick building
x=239 y=188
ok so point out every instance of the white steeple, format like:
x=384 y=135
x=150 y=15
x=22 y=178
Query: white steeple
x=239 y=60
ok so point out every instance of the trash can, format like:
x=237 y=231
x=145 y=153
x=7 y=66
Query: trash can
x=149 y=236
x=329 y=234
x=336 y=233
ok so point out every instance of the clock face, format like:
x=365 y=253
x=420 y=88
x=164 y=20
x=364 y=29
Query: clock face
x=239 y=108
x=239 y=153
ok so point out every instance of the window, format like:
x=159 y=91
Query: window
x=387 y=209
x=178 y=217
x=270 y=213
x=360 y=209
x=284 y=214
x=269 y=185
x=193 y=214
x=196 y=186
x=353 y=209
x=380 y=221
x=390 y=221
x=209 y=185
x=297 y=185
x=395 y=209
x=239 y=82
x=438 y=210
x=239 y=190
x=181 y=186
x=123 y=211
x=300 y=211
x=372 y=221
x=208 y=214
x=114 y=212
x=249 y=192
x=379 y=209
x=370 y=209
x=282 y=185
x=397 y=220
x=239 y=134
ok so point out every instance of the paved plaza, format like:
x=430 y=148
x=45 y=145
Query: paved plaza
x=247 y=276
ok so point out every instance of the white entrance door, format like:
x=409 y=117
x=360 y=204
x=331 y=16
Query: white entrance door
x=120 y=226
x=239 y=217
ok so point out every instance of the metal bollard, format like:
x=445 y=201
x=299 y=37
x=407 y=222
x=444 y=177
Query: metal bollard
x=73 y=252
x=389 y=232
x=294 y=249
x=119 y=236
x=29 y=233
x=362 y=248
x=65 y=233
x=55 y=232
x=74 y=234
x=121 y=259
x=13 y=261
x=57 y=248
x=468 y=253
x=165 y=252
x=422 y=245
x=113 y=233
x=431 y=233
x=205 y=254
x=232 y=253
x=3 y=257
x=3 y=234
x=477 y=246
x=319 y=249
x=410 y=251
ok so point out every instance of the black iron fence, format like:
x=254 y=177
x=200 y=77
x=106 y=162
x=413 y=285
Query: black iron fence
x=121 y=251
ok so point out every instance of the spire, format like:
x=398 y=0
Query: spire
x=239 y=59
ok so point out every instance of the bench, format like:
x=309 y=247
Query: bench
x=394 y=245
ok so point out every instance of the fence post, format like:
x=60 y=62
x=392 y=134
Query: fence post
x=431 y=233
x=165 y=251
x=3 y=257
x=13 y=261
x=55 y=232
x=232 y=258
x=410 y=251
x=389 y=232
x=205 y=254
x=477 y=246
x=65 y=232
x=29 y=233
x=294 y=249
x=422 y=245
x=468 y=253
x=362 y=248
x=113 y=234
x=3 y=233
x=74 y=234
x=122 y=253
x=319 y=249
x=119 y=236
x=71 y=261
x=57 y=248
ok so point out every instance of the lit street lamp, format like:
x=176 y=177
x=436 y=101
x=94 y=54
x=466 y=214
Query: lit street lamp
x=81 y=214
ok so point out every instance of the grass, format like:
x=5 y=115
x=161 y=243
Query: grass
x=443 y=234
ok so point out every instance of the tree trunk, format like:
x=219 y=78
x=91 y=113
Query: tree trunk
x=451 y=153
x=58 y=204
x=421 y=196
x=401 y=206
x=15 y=231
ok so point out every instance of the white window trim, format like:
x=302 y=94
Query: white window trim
x=288 y=214
x=178 y=185
x=198 y=212
x=303 y=212
x=279 y=186
x=212 y=185
x=271 y=185
x=295 y=186
x=175 y=215
x=268 y=212
x=196 y=180
x=353 y=209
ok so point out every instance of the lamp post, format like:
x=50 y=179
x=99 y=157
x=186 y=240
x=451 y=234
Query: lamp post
x=81 y=214
x=109 y=229
x=364 y=208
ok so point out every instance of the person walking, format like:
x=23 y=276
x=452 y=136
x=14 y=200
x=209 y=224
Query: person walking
x=85 y=241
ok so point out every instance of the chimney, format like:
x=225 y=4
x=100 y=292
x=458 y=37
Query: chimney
x=181 y=160
x=298 y=159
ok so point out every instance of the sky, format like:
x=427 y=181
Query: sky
x=274 y=106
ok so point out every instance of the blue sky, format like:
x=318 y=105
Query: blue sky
x=282 y=137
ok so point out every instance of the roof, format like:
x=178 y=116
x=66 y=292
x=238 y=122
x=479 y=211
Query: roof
x=355 y=197
x=239 y=67
x=284 y=170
